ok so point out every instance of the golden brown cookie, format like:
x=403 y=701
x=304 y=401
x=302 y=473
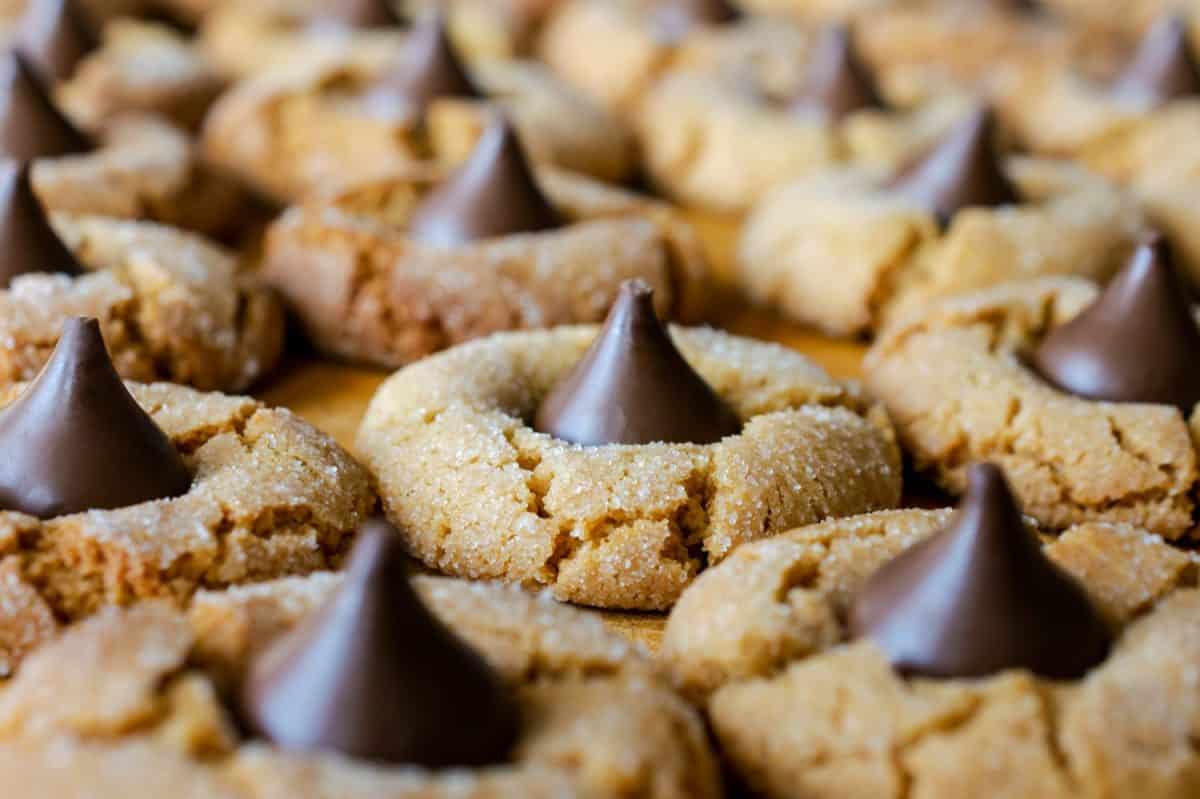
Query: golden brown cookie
x=956 y=383
x=172 y=306
x=615 y=50
x=842 y=252
x=142 y=168
x=477 y=492
x=720 y=142
x=140 y=67
x=245 y=39
x=270 y=496
x=802 y=715
x=143 y=689
x=328 y=124
x=364 y=290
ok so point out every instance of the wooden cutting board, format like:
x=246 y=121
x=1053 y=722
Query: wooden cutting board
x=334 y=396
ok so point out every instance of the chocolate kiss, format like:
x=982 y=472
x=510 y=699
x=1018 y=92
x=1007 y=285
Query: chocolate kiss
x=980 y=597
x=493 y=194
x=55 y=36
x=31 y=126
x=373 y=675
x=432 y=69
x=839 y=83
x=711 y=12
x=27 y=241
x=362 y=13
x=633 y=386
x=962 y=170
x=1138 y=342
x=75 y=440
x=1164 y=67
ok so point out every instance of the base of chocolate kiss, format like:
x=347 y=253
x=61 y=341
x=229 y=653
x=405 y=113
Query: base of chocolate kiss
x=1138 y=342
x=76 y=440
x=374 y=675
x=979 y=598
x=634 y=387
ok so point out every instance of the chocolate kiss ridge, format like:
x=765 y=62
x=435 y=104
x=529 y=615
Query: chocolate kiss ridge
x=961 y=171
x=493 y=194
x=431 y=69
x=1138 y=342
x=980 y=597
x=75 y=440
x=373 y=675
x=27 y=241
x=55 y=36
x=634 y=387
x=839 y=82
x=31 y=126
x=1164 y=67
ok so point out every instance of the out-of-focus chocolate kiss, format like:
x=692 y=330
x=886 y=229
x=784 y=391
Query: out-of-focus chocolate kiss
x=961 y=171
x=495 y=193
x=31 y=126
x=431 y=69
x=980 y=597
x=360 y=14
x=1138 y=342
x=1164 y=67
x=839 y=82
x=55 y=36
x=27 y=241
x=76 y=440
x=373 y=675
x=634 y=387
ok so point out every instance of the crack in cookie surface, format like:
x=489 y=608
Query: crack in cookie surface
x=952 y=374
x=476 y=492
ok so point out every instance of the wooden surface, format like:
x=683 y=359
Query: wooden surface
x=334 y=396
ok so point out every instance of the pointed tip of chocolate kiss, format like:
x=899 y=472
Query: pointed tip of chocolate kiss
x=31 y=126
x=839 y=83
x=361 y=14
x=495 y=193
x=28 y=243
x=432 y=68
x=980 y=597
x=634 y=387
x=55 y=36
x=963 y=170
x=1164 y=68
x=374 y=675
x=1138 y=342
x=76 y=440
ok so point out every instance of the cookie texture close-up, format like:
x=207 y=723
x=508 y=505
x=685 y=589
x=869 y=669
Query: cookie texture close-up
x=761 y=640
x=172 y=306
x=958 y=385
x=366 y=289
x=140 y=706
x=477 y=492
x=269 y=495
x=846 y=250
